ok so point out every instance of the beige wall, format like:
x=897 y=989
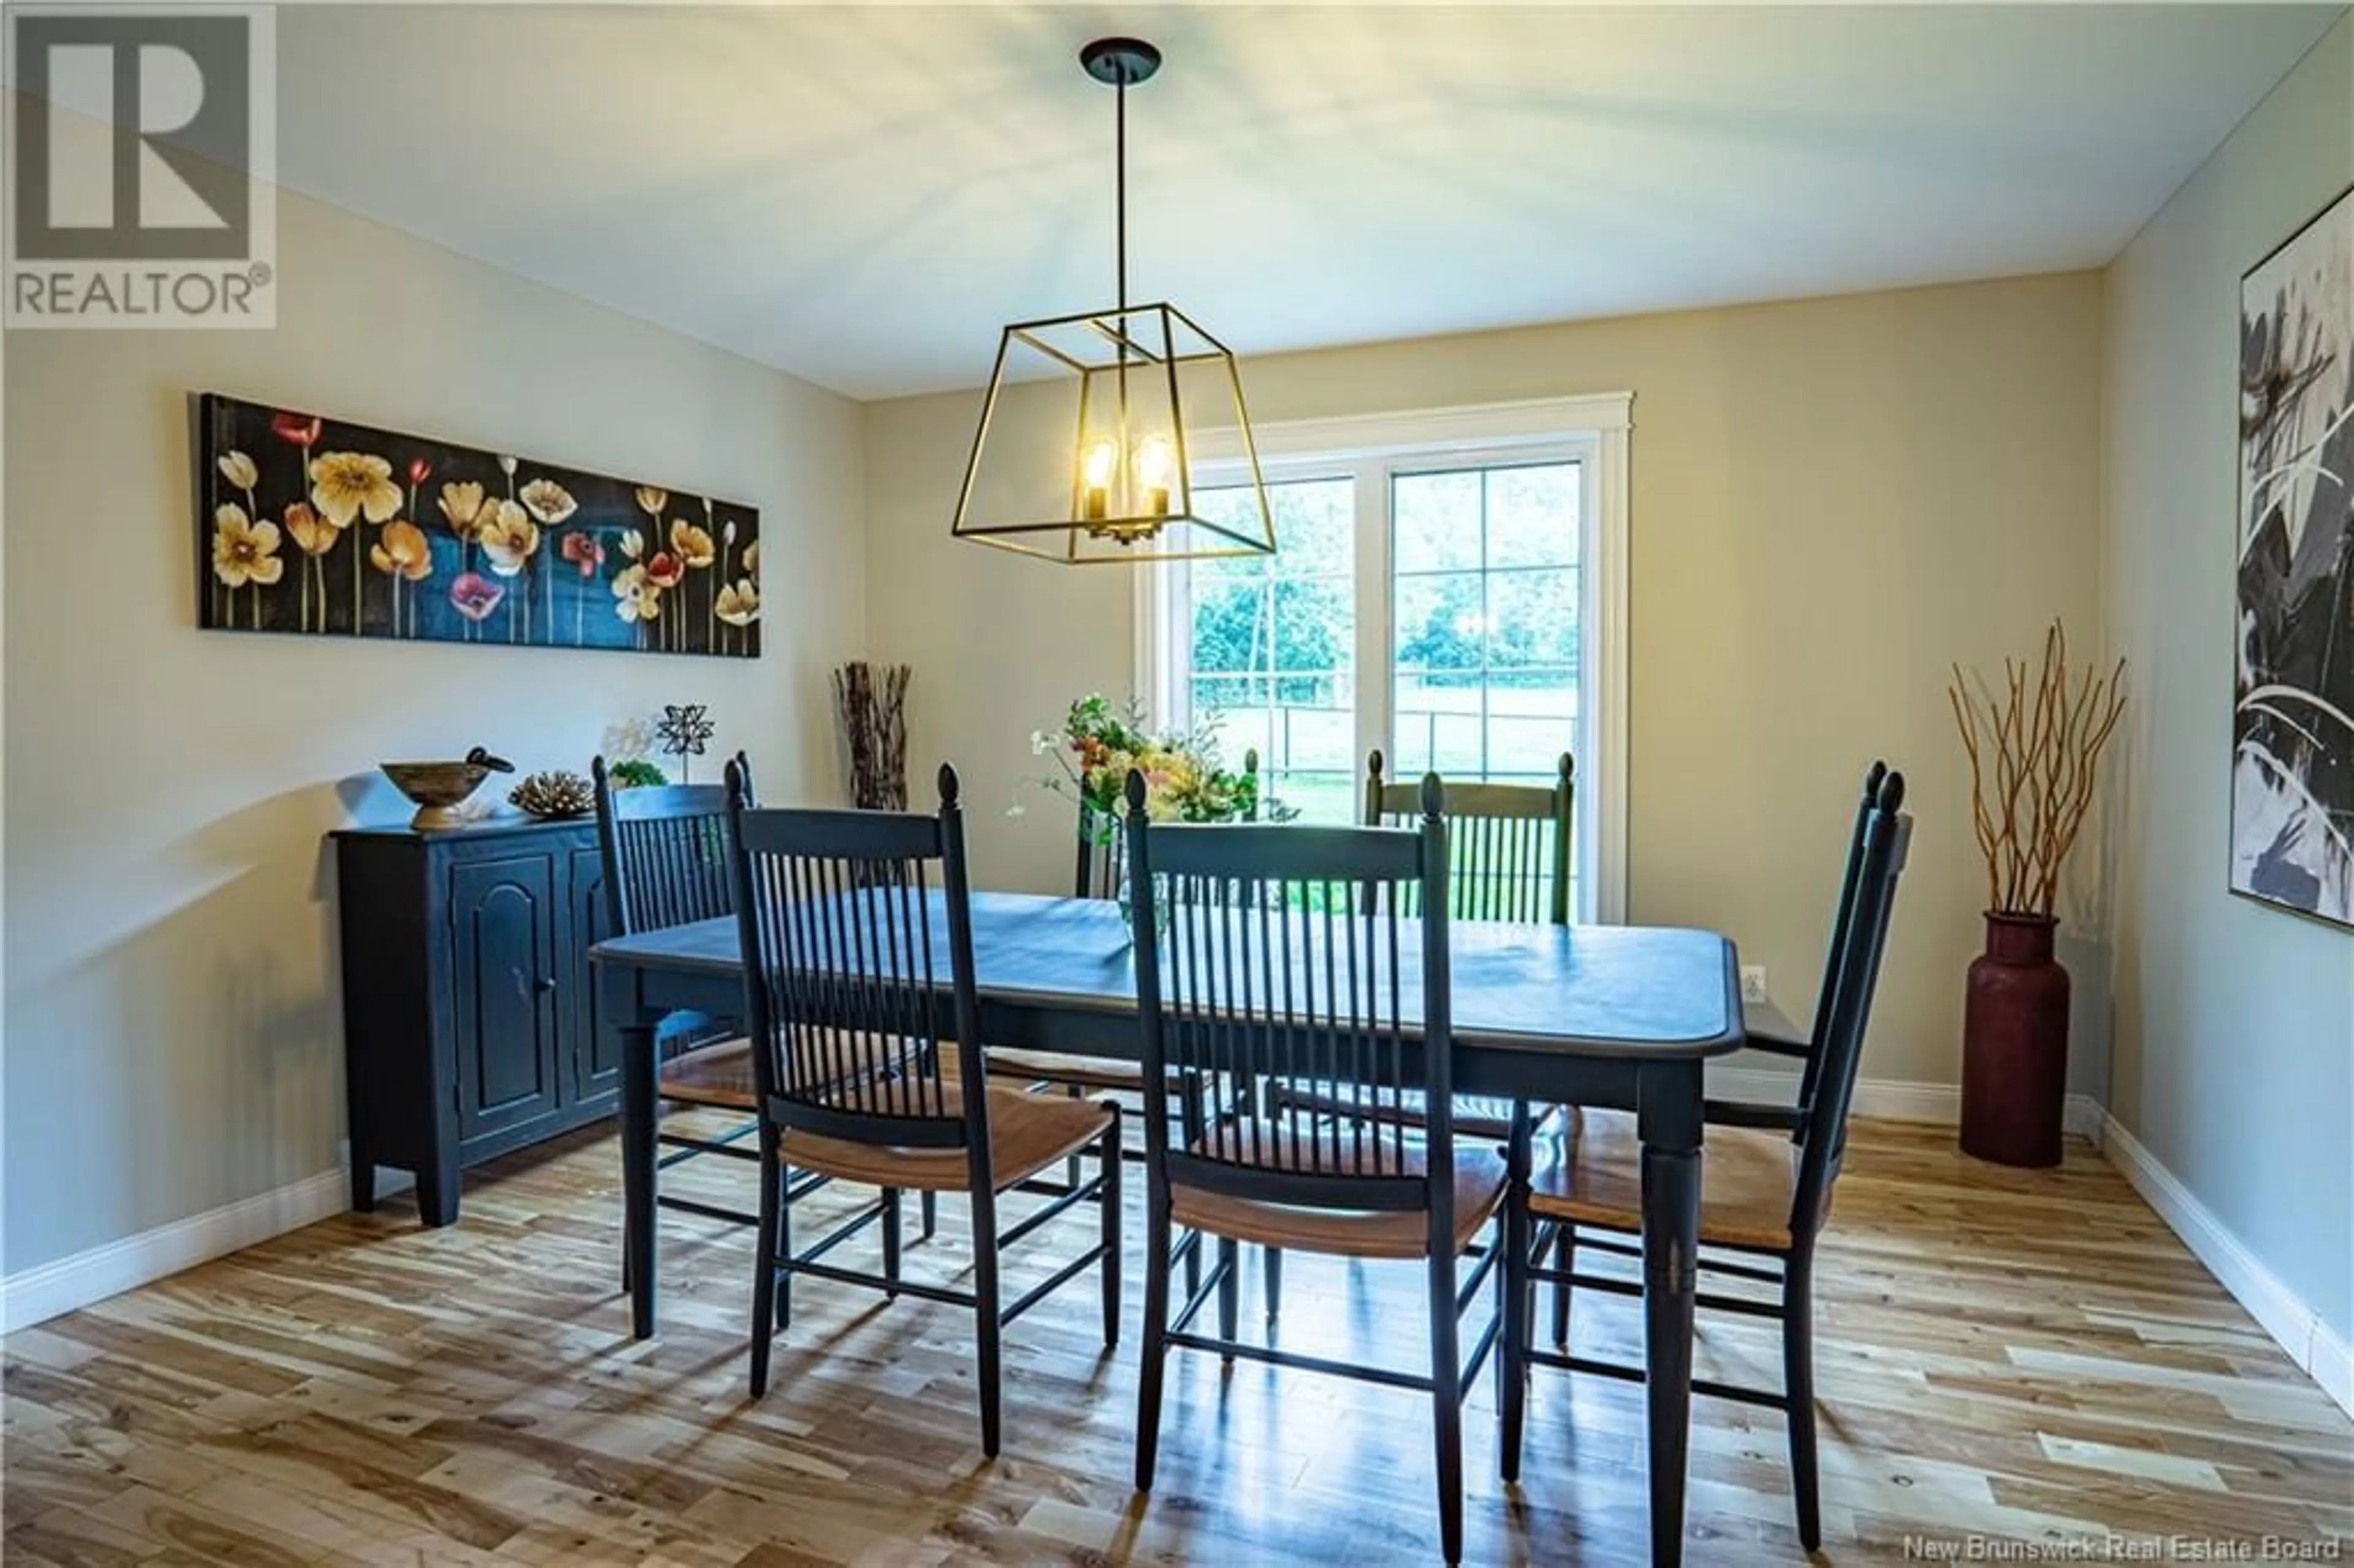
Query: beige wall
x=2235 y=1030
x=1831 y=500
x=173 y=1041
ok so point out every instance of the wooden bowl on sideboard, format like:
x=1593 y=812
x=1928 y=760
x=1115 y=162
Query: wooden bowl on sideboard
x=439 y=788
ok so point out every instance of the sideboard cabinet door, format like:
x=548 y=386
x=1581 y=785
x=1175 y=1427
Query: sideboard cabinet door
x=595 y=1063
x=503 y=916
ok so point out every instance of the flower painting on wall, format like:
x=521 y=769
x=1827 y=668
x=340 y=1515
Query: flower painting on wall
x=2293 y=730
x=316 y=527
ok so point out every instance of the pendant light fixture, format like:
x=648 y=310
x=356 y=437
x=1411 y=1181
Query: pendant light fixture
x=1089 y=435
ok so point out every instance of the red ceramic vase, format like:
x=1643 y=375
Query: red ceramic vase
x=2014 y=1044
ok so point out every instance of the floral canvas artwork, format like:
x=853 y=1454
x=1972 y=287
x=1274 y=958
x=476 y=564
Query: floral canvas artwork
x=317 y=527
x=2293 y=730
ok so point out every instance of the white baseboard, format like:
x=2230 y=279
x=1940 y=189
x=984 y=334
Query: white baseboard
x=2277 y=1309
x=37 y=1294
x=2333 y=1365
x=1893 y=1099
x=2087 y=1118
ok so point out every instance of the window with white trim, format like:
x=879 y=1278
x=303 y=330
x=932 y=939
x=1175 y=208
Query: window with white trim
x=1448 y=590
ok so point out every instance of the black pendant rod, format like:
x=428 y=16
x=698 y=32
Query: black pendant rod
x=1119 y=222
x=1120 y=64
x=1120 y=199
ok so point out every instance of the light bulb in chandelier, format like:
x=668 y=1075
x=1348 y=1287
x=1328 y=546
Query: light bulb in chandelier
x=1155 y=465
x=1098 y=462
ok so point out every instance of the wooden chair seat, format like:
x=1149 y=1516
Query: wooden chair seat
x=1593 y=1174
x=1352 y=1232
x=715 y=1074
x=1026 y=1134
x=1054 y=1067
x=1475 y=1116
x=721 y=1074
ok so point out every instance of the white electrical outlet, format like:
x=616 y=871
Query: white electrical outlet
x=1753 y=982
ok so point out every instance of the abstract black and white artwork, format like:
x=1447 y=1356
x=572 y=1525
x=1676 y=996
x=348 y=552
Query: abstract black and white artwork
x=2293 y=729
x=316 y=525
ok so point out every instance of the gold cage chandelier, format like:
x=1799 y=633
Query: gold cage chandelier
x=1131 y=389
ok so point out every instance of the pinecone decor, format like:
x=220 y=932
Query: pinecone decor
x=554 y=795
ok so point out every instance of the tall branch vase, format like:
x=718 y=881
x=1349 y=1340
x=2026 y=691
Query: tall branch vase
x=870 y=705
x=2034 y=740
x=2014 y=1044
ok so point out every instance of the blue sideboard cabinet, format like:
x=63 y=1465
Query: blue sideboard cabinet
x=470 y=1015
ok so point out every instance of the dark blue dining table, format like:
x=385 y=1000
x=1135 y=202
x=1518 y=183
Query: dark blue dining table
x=1618 y=1016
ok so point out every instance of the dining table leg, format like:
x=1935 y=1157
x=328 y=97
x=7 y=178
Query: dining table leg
x=1668 y=1119
x=638 y=1148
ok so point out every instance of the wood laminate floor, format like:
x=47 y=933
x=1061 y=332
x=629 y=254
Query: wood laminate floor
x=2028 y=1357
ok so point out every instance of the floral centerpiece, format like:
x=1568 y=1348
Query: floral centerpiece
x=1099 y=745
x=1097 y=748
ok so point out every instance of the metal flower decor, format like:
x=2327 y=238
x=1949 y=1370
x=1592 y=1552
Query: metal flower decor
x=683 y=730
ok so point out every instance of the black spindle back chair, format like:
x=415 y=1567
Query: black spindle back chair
x=669 y=844
x=1808 y=1051
x=1508 y=859
x=837 y=916
x=1759 y=1196
x=1509 y=843
x=1284 y=956
x=851 y=924
x=668 y=862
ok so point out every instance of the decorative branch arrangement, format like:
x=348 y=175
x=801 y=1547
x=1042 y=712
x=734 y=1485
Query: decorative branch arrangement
x=2034 y=750
x=871 y=704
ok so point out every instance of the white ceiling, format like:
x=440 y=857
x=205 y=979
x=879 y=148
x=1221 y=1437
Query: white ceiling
x=863 y=196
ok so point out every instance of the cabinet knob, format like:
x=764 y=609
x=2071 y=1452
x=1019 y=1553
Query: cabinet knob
x=547 y=984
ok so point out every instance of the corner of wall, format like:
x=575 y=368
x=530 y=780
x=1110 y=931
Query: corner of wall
x=2228 y=1078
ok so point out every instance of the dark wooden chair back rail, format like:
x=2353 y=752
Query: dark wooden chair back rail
x=1509 y=845
x=1509 y=859
x=836 y=914
x=666 y=850
x=1274 y=968
x=1846 y=1015
x=1873 y=777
